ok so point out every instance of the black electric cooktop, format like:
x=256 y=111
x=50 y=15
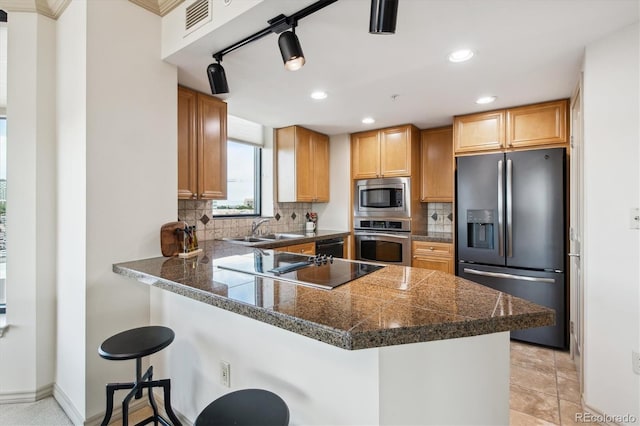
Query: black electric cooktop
x=315 y=271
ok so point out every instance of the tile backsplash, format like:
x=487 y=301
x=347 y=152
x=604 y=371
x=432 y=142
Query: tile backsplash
x=439 y=217
x=287 y=217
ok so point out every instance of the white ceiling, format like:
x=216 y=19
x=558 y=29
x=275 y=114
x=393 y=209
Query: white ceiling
x=526 y=51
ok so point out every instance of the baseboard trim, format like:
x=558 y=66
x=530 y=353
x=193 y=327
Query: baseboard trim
x=136 y=404
x=67 y=406
x=600 y=417
x=27 y=396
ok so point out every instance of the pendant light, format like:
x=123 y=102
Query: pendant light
x=291 y=50
x=382 y=19
x=217 y=78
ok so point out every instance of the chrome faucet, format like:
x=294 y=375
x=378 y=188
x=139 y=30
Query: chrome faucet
x=256 y=224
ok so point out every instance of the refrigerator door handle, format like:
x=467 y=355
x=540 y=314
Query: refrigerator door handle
x=508 y=276
x=500 y=211
x=509 y=208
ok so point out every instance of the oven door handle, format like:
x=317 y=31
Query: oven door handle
x=380 y=234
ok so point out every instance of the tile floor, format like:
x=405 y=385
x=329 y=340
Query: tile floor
x=544 y=387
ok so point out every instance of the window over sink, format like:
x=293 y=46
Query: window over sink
x=243 y=181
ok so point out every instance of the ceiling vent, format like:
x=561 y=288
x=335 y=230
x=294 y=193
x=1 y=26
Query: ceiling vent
x=197 y=14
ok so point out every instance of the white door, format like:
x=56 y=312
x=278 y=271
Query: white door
x=575 y=233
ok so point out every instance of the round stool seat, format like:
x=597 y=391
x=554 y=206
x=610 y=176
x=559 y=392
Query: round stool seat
x=247 y=407
x=136 y=343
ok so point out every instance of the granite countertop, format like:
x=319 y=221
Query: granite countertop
x=434 y=237
x=394 y=305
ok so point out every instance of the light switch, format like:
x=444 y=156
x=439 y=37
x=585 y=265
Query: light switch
x=634 y=219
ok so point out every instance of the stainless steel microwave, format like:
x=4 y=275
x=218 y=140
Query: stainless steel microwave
x=385 y=197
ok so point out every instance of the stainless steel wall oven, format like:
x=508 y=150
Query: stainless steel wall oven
x=383 y=240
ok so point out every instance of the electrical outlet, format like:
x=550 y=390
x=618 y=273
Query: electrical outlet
x=225 y=374
x=636 y=362
x=634 y=219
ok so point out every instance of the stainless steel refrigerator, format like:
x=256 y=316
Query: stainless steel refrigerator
x=511 y=235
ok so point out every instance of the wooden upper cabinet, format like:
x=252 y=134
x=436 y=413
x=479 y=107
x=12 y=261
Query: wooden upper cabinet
x=302 y=165
x=383 y=153
x=202 y=146
x=365 y=148
x=212 y=148
x=436 y=154
x=479 y=132
x=187 y=145
x=525 y=127
x=395 y=151
x=321 y=166
x=539 y=124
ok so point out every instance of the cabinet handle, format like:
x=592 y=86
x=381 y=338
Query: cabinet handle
x=431 y=248
x=194 y=196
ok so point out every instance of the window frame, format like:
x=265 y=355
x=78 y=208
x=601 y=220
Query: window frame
x=257 y=183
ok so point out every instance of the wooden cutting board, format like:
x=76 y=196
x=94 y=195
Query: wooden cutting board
x=171 y=239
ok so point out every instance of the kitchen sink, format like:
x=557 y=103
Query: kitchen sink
x=279 y=236
x=249 y=240
x=244 y=240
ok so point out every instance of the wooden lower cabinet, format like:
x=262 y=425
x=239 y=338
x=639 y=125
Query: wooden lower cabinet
x=436 y=256
x=305 y=248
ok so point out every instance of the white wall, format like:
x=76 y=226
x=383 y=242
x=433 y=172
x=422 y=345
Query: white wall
x=611 y=249
x=131 y=172
x=118 y=184
x=27 y=365
x=335 y=214
x=71 y=246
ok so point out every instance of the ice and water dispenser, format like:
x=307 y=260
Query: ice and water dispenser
x=480 y=229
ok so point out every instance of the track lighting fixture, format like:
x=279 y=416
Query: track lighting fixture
x=291 y=50
x=382 y=19
x=217 y=78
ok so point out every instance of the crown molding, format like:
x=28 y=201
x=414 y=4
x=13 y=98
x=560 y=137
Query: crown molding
x=159 y=7
x=54 y=8
x=49 y=8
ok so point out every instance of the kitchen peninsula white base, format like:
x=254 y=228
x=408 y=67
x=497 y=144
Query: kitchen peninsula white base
x=445 y=382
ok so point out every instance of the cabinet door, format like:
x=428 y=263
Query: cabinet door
x=435 y=263
x=212 y=148
x=305 y=248
x=437 y=165
x=187 y=147
x=365 y=155
x=321 y=167
x=479 y=132
x=305 y=186
x=535 y=125
x=395 y=152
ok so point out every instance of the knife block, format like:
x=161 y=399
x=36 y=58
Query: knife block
x=171 y=238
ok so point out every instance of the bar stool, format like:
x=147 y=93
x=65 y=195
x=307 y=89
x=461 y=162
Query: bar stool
x=136 y=344
x=247 y=407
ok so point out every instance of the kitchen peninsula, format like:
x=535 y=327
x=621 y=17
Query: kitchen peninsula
x=400 y=345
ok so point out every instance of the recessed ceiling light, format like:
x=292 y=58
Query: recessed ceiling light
x=319 y=94
x=461 y=55
x=368 y=120
x=486 y=100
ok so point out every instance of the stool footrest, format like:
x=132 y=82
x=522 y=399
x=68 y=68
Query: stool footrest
x=136 y=387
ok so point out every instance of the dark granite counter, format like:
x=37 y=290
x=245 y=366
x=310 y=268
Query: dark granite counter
x=392 y=306
x=437 y=237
